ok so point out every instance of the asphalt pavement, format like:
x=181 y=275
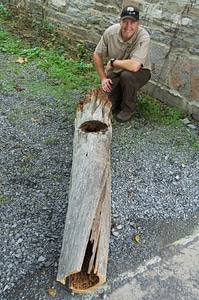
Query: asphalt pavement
x=173 y=275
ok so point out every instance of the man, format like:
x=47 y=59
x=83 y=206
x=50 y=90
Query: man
x=126 y=45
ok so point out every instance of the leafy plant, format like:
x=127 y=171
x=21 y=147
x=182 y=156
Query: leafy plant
x=155 y=110
x=3 y=35
x=50 y=141
x=2 y=200
x=82 y=51
x=8 y=44
x=4 y=13
x=32 y=52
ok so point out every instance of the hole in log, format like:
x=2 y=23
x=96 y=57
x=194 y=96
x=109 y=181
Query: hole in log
x=83 y=281
x=93 y=126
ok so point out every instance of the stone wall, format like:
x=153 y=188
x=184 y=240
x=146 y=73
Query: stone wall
x=172 y=24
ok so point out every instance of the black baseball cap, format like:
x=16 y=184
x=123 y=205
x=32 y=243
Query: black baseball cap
x=130 y=12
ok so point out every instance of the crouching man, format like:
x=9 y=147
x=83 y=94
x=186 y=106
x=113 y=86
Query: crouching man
x=126 y=45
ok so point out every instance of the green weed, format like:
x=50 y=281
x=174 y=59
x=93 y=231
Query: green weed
x=154 y=110
x=73 y=73
x=9 y=45
x=50 y=141
x=3 y=35
x=26 y=170
x=31 y=53
x=4 y=13
x=2 y=200
x=56 y=177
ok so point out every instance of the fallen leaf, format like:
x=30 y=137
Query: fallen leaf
x=137 y=238
x=52 y=292
x=34 y=120
x=22 y=60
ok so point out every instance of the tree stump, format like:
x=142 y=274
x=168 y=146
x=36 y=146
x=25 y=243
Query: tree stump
x=84 y=252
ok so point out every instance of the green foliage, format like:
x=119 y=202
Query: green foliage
x=81 y=50
x=74 y=73
x=56 y=177
x=3 y=35
x=50 y=141
x=34 y=52
x=44 y=28
x=2 y=200
x=8 y=44
x=4 y=13
x=154 y=110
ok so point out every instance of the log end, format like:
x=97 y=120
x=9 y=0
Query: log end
x=94 y=95
x=83 y=282
x=86 y=280
x=95 y=104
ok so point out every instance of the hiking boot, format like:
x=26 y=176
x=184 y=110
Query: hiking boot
x=124 y=116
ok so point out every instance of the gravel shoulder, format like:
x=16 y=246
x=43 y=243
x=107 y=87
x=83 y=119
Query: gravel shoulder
x=155 y=179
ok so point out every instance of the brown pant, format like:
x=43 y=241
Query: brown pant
x=125 y=87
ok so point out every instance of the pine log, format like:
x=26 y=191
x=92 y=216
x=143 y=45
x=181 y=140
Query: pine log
x=85 y=245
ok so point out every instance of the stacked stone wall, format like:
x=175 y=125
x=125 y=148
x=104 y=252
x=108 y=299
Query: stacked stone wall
x=173 y=26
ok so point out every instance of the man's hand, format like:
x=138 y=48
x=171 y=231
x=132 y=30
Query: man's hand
x=106 y=85
x=106 y=82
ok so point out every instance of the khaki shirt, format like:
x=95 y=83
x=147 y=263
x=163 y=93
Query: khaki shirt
x=111 y=45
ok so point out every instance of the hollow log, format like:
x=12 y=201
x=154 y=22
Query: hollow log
x=85 y=245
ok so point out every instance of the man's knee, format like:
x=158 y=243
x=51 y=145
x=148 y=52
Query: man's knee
x=136 y=79
x=125 y=75
x=129 y=78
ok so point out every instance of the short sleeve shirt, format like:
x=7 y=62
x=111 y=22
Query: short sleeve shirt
x=111 y=45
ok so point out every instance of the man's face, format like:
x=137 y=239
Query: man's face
x=128 y=28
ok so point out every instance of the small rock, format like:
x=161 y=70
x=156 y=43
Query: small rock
x=41 y=259
x=48 y=264
x=10 y=266
x=104 y=295
x=119 y=227
x=115 y=233
x=5 y=288
x=115 y=216
x=186 y=121
x=191 y=126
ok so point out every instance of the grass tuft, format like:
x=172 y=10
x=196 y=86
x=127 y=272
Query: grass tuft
x=154 y=110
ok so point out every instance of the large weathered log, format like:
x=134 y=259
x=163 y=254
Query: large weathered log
x=85 y=244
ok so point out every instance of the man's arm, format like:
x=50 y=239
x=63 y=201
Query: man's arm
x=127 y=64
x=106 y=82
x=98 y=61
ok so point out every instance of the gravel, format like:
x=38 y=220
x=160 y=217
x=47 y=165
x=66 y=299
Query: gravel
x=155 y=179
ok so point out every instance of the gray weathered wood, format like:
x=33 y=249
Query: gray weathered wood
x=85 y=244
